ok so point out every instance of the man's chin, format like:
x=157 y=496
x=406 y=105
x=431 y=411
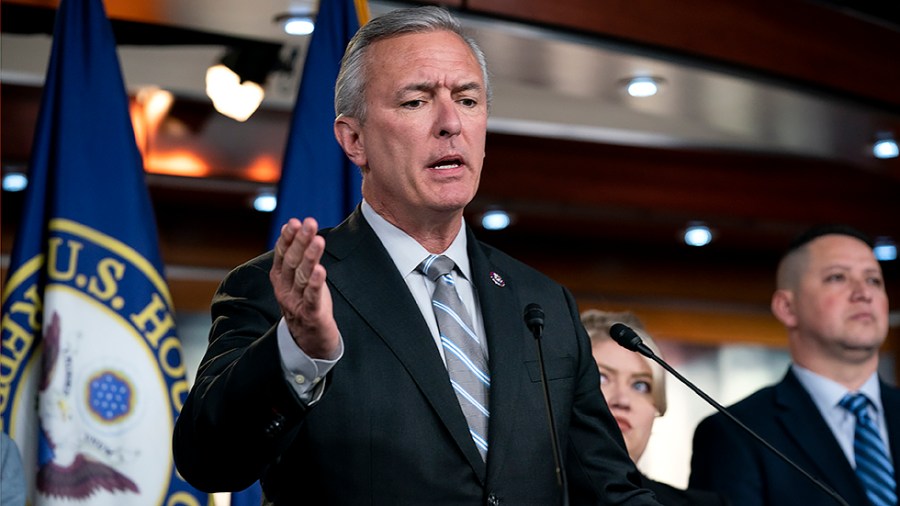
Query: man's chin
x=861 y=350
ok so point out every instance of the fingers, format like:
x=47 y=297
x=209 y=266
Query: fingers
x=288 y=231
x=312 y=295
x=295 y=267
x=297 y=251
x=298 y=280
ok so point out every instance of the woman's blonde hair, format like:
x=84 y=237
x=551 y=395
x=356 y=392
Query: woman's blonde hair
x=597 y=324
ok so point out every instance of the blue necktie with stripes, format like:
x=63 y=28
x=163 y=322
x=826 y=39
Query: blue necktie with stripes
x=463 y=351
x=873 y=465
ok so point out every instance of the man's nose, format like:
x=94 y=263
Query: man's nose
x=861 y=290
x=447 y=122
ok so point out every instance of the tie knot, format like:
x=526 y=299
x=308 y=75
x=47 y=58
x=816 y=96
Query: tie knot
x=856 y=404
x=435 y=266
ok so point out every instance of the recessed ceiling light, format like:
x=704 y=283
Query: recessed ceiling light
x=298 y=23
x=885 y=148
x=643 y=86
x=15 y=182
x=697 y=235
x=885 y=249
x=299 y=26
x=495 y=220
x=265 y=202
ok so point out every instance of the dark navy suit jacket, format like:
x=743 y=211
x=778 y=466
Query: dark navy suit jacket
x=671 y=496
x=388 y=429
x=728 y=460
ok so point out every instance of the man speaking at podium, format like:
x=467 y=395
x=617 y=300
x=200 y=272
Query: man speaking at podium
x=404 y=375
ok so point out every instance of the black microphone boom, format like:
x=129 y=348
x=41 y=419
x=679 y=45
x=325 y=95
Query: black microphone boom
x=534 y=320
x=629 y=339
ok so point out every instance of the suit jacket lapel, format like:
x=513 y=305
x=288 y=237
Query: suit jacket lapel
x=506 y=335
x=801 y=420
x=890 y=401
x=382 y=299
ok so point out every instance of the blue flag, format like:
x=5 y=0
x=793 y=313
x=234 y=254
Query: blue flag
x=91 y=369
x=317 y=179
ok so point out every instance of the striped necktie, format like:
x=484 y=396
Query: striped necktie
x=873 y=465
x=466 y=361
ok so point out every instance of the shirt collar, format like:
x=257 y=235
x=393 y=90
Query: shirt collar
x=827 y=393
x=406 y=253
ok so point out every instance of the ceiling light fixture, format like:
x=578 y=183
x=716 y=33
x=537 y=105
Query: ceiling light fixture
x=495 y=219
x=14 y=182
x=885 y=148
x=697 y=234
x=265 y=201
x=885 y=249
x=297 y=23
x=643 y=86
x=235 y=85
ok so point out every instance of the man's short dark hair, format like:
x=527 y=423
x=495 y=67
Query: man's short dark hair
x=793 y=258
x=817 y=231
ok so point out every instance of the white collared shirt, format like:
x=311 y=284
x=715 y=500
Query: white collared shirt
x=407 y=254
x=827 y=395
x=306 y=375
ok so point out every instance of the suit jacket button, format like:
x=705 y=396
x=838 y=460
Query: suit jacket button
x=492 y=500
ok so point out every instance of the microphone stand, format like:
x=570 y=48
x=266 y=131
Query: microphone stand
x=534 y=319
x=634 y=343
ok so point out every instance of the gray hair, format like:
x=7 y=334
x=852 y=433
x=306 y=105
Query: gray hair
x=597 y=324
x=349 y=90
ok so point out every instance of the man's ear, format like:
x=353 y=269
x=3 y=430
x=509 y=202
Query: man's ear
x=348 y=135
x=783 y=307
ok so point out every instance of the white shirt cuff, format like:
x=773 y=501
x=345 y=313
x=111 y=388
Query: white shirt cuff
x=306 y=375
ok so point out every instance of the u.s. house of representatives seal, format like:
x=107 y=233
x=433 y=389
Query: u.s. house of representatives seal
x=97 y=399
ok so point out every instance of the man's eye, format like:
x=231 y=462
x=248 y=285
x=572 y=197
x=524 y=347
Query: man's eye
x=834 y=278
x=412 y=104
x=468 y=102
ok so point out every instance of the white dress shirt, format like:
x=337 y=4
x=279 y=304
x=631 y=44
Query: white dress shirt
x=306 y=374
x=827 y=395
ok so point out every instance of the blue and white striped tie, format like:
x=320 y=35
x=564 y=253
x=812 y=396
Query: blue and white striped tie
x=873 y=465
x=465 y=355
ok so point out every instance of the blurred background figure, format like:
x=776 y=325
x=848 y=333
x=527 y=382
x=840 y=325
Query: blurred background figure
x=831 y=414
x=635 y=389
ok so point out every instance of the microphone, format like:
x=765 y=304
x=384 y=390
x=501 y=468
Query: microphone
x=629 y=339
x=534 y=320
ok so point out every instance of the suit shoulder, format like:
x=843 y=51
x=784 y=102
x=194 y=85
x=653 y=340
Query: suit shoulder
x=514 y=266
x=261 y=262
x=249 y=273
x=750 y=407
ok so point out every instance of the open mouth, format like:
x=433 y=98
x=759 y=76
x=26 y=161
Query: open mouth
x=447 y=163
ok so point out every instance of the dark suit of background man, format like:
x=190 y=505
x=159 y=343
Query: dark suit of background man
x=830 y=296
x=333 y=389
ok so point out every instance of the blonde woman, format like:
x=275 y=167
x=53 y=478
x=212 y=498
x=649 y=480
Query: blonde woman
x=635 y=389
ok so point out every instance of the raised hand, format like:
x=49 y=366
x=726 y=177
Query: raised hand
x=298 y=280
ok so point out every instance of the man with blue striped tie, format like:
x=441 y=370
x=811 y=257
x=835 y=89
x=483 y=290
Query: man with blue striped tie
x=830 y=414
x=406 y=374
